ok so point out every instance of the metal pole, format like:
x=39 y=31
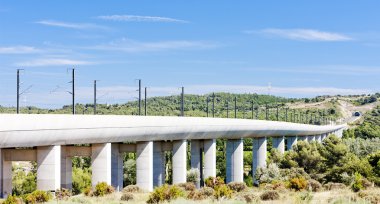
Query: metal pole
x=252 y=109
x=18 y=92
x=139 y=96
x=277 y=111
x=183 y=102
x=228 y=109
x=207 y=101
x=266 y=111
x=73 y=90
x=213 y=105
x=145 y=100
x=94 y=97
x=235 y=107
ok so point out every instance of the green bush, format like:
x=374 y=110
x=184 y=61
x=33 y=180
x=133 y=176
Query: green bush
x=62 y=194
x=298 y=184
x=248 y=180
x=222 y=192
x=131 y=189
x=207 y=191
x=237 y=186
x=81 y=180
x=12 y=200
x=165 y=193
x=358 y=183
x=88 y=191
x=37 y=197
x=127 y=196
x=193 y=175
x=270 y=195
x=102 y=189
x=214 y=182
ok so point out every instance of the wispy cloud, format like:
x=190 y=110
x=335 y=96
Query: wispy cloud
x=127 y=45
x=135 y=18
x=52 y=62
x=79 y=26
x=18 y=50
x=304 y=34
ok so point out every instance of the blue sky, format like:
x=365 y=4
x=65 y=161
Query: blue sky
x=287 y=48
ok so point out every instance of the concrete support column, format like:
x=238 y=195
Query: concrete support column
x=179 y=161
x=292 y=140
x=210 y=158
x=318 y=138
x=144 y=165
x=279 y=143
x=158 y=164
x=107 y=165
x=303 y=138
x=49 y=168
x=311 y=138
x=66 y=169
x=117 y=164
x=259 y=153
x=6 y=176
x=196 y=154
x=234 y=168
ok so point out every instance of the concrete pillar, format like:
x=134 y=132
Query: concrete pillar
x=210 y=158
x=6 y=177
x=117 y=170
x=196 y=154
x=107 y=165
x=179 y=161
x=259 y=153
x=292 y=140
x=302 y=138
x=66 y=169
x=49 y=168
x=318 y=138
x=234 y=154
x=158 y=164
x=311 y=138
x=144 y=165
x=279 y=144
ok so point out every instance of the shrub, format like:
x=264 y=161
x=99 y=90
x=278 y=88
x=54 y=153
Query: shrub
x=268 y=174
x=193 y=175
x=189 y=186
x=334 y=186
x=249 y=181
x=270 y=195
x=88 y=191
x=314 y=185
x=214 y=182
x=298 y=184
x=131 y=189
x=127 y=196
x=304 y=197
x=358 y=183
x=195 y=195
x=62 y=194
x=237 y=186
x=12 y=200
x=207 y=191
x=165 y=193
x=287 y=174
x=37 y=197
x=249 y=198
x=222 y=192
x=370 y=196
x=102 y=189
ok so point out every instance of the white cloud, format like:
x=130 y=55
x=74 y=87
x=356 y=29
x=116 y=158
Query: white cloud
x=304 y=34
x=18 y=50
x=141 y=18
x=52 y=62
x=127 y=45
x=79 y=26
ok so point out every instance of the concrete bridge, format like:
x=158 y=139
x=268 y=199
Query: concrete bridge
x=50 y=141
